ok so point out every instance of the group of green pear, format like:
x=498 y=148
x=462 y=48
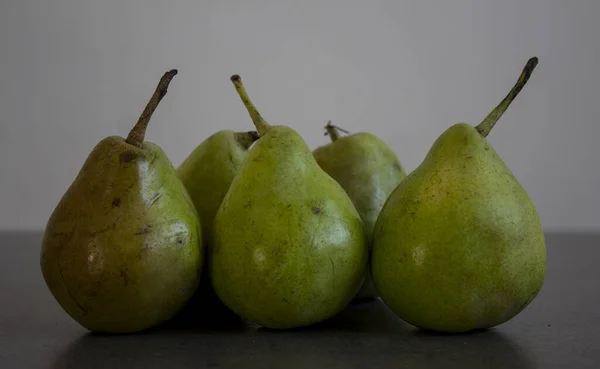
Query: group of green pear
x=255 y=224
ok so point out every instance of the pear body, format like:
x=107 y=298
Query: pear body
x=458 y=245
x=122 y=250
x=289 y=247
x=207 y=174
x=208 y=171
x=368 y=170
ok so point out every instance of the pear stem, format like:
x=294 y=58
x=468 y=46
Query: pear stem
x=333 y=131
x=261 y=125
x=137 y=133
x=488 y=123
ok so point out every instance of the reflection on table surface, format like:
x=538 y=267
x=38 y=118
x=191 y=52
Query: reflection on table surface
x=560 y=329
x=366 y=334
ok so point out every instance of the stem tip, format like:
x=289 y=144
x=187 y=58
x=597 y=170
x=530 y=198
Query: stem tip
x=488 y=123
x=261 y=125
x=138 y=132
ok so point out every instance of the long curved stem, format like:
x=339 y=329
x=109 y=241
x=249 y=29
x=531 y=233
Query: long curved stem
x=261 y=125
x=137 y=133
x=488 y=123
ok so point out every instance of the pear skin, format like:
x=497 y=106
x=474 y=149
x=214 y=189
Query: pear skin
x=368 y=170
x=459 y=245
x=209 y=169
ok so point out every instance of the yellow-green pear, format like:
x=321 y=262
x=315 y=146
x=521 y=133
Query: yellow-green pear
x=368 y=170
x=207 y=174
x=289 y=247
x=209 y=169
x=459 y=245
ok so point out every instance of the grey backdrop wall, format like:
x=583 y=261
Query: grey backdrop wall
x=75 y=71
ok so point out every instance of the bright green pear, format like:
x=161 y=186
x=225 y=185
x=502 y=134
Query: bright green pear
x=121 y=252
x=208 y=171
x=458 y=245
x=368 y=170
x=289 y=247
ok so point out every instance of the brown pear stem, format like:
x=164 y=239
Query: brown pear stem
x=334 y=131
x=137 y=133
x=246 y=139
x=261 y=125
x=488 y=123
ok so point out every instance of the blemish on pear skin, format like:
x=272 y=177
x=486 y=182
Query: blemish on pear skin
x=144 y=230
x=403 y=257
x=127 y=157
x=154 y=198
x=105 y=229
x=143 y=250
x=116 y=202
x=332 y=272
x=125 y=276
x=62 y=277
x=230 y=157
x=316 y=210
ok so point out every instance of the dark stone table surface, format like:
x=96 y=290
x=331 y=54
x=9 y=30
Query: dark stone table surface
x=560 y=329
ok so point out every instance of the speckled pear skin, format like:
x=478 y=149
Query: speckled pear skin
x=122 y=252
x=209 y=169
x=459 y=245
x=289 y=248
x=368 y=170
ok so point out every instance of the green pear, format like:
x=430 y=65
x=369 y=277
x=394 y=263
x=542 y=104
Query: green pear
x=122 y=249
x=207 y=174
x=289 y=247
x=368 y=170
x=208 y=171
x=458 y=245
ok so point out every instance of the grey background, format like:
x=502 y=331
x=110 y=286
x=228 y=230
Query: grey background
x=75 y=71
